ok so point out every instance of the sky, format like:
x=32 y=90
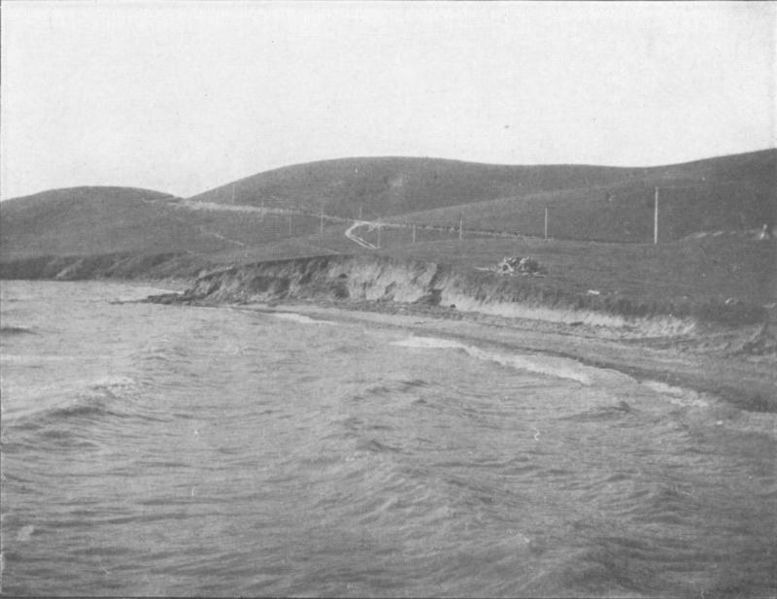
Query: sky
x=181 y=97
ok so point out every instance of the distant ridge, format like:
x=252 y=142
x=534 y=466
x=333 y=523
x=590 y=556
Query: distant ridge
x=587 y=202
x=729 y=193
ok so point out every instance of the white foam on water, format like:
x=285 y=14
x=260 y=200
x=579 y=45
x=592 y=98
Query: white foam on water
x=677 y=395
x=25 y=533
x=562 y=368
x=299 y=318
x=429 y=342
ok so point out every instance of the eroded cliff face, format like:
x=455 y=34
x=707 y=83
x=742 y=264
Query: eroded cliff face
x=326 y=277
x=384 y=280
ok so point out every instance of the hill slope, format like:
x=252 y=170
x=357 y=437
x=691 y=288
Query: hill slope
x=585 y=202
x=97 y=220
x=392 y=186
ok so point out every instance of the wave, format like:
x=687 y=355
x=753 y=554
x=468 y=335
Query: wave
x=97 y=399
x=678 y=395
x=12 y=330
x=613 y=412
x=566 y=368
x=561 y=368
x=299 y=318
x=85 y=408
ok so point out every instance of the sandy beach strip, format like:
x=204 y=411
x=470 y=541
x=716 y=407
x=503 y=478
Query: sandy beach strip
x=749 y=383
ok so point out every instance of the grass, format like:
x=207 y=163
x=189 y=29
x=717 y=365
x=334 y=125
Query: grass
x=380 y=187
x=621 y=212
x=711 y=269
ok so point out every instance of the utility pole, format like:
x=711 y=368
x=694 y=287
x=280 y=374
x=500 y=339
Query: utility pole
x=461 y=227
x=378 y=246
x=546 y=223
x=655 y=218
x=290 y=217
x=361 y=209
x=413 y=233
x=321 y=225
x=233 y=193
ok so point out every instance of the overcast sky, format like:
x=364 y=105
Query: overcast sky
x=184 y=96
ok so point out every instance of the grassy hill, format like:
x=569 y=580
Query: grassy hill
x=97 y=220
x=380 y=187
x=732 y=194
x=584 y=202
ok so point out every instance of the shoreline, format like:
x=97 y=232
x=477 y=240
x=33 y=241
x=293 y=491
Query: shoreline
x=747 y=384
x=721 y=349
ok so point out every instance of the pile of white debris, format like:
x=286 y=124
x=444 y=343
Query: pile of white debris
x=518 y=265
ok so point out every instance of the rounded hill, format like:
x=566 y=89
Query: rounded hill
x=389 y=186
x=95 y=220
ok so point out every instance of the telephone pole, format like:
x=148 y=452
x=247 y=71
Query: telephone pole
x=546 y=224
x=461 y=227
x=655 y=218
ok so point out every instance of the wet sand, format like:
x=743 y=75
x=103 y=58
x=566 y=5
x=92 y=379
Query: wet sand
x=708 y=362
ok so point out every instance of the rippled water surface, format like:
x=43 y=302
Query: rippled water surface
x=163 y=450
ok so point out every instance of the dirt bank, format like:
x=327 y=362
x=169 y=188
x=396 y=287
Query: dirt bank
x=387 y=280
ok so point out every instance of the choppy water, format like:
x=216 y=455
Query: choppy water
x=163 y=450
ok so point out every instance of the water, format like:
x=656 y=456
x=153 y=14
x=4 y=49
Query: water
x=163 y=450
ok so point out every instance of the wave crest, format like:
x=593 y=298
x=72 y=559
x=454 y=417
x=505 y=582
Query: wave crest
x=561 y=368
